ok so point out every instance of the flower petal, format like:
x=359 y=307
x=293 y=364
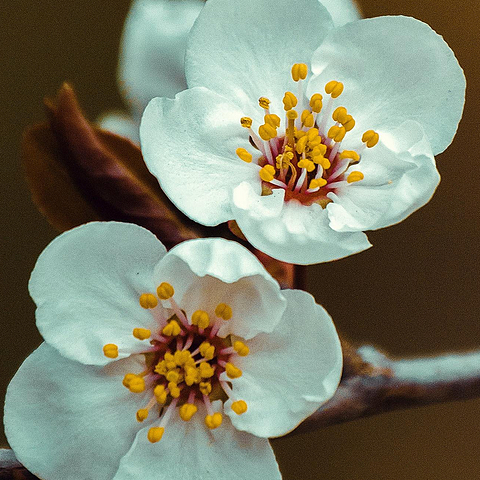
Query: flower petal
x=121 y=124
x=289 y=231
x=66 y=421
x=405 y=161
x=188 y=450
x=207 y=272
x=189 y=144
x=245 y=50
x=342 y=11
x=394 y=69
x=153 y=49
x=87 y=284
x=290 y=372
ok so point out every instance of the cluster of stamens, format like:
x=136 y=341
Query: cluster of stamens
x=184 y=361
x=305 y=158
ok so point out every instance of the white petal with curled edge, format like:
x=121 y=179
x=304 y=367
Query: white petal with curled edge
x=342 y=11
x=66 y=421
x=289 y=231
x=207 y=272
x=153 y=50
x=394 y=69
x=188 y=450
x=245 y=50
x=410 y=177
x=121 y=124
x=189 y=144
x=290 y=372
x=87 y=285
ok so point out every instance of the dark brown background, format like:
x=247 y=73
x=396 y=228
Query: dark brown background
x=415 y=292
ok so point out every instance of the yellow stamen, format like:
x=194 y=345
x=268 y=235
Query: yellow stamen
x=224 y=311
x=349 y=123
x=187 y=411
x=207 y=351
x=272 y=120
x=172 y=329
x=201 y=319
x=267 y=132
x=317 y=182
x=241 y=348
x=206 y=370
x=316 y=103
x=334 y=88
x=232 y=371
x=127 y=378
x=306 y=163
x=312 y=134
x=370 y=137
x=337 y=134
x=165 y=291
x=267 y=173
x=299 y=71
x=283 y=160
x=291 y=116
x=174 y=390
x=205 y=388
x=182 y=357
x=301 y=144
x=355 y=177
x=319 y=150
x=213 y=421
x=307 y=119
x=141 y=333
x=323 y=161
x=155 y=434
x=160 y=393
x=173 y=376
x=136 y=384
x=148 y=300
x=340 y=115
x=246 y=122
x=142 y=414
x=244 y=154
x=110 y=350
x=239 y=407
x=350 y=154
x=289 y=101
x=264 y=102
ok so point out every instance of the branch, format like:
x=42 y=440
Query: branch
x=372 y=383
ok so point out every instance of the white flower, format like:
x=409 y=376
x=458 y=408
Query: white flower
x=164 y=365
x=324 y=156
x=153 y=50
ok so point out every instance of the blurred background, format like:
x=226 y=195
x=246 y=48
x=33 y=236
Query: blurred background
x=415 y=292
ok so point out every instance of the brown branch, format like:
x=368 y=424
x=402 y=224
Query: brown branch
x=372 y=383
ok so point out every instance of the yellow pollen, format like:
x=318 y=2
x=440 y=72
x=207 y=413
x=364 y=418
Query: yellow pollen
x=246 y=122
x=187 y=411
x=160 y=393
x=316 y=103
x=148 y=300
x=192 y=376
x=224 y=311
x=207 y=351
x=323 y=161
x=264 y=102
x=173 y=376
x=307 y=119
x=206 y=370
x=205 y=388
x=349 y=123
x=312 y=134
x=350 y=154
x=299 y=71
x=306 y=163
x=340 y=115
x=289 y=101
x=142 y=414
x=284 y=160
x=136 y=384
x=355 y=177
x=244 y=154
x=337 y=134
x=316 y=142
x=241 y=348
x=239 y=407
x=141 y=333
x=319 y=150
x=181 y=357
x=174 y=390
x=172 y=329
x=301 y=144
x=370 y=137
x=292 y=114
x=213 y=421
x=267 y=173
x=155 y=434
x=110 y=350
x=201 y=319
x=232 y=371
x=165 y=291
x=272 y=120
x=334 y=88
x=267 y=132
x=127 y=378
x=317 y=182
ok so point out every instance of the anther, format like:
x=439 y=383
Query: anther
x=141 y=333
x=317 y=183
x=334 y=88
x=355 y=177
x=316 y=103
x=207 y=351
x=205 y=388
x=165 y=291
x=232 y=371
x=246 y=122
x=306 y=163
x=307 y=119
x=213 y=421
x=155 y=434
x=187 y=411
x=127 y=378
x=340 y=115
x=299 y=71
x=350 y=154
x=160 y=393
x=284 y=160
x=272 y=120
x=289 y=101
x=241 y=348
x=370 y=138
x=206 y=370
x=337 y=134
x=173 y=389
x=142 y=414
x=239 y=407
x=201 y=319
x=244 y=154
x=136 y=384
x=110 y=350
x=267 y=173
x=224 y=311
x=148 y=300
x=267 y=132
x=172 y=329
x=264 y=103
x=349 y=123
x=301 y=144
